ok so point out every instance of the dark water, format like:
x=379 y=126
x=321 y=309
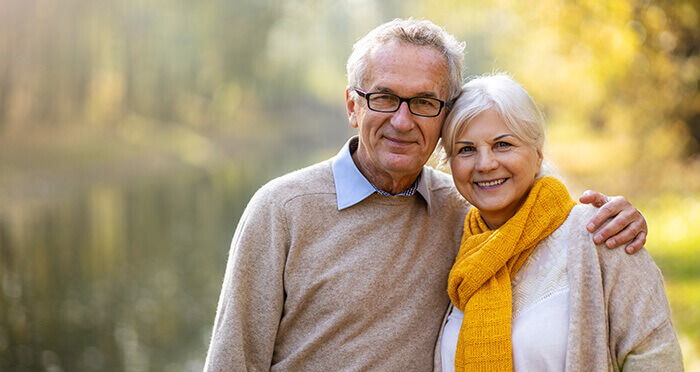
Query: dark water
x=118 y=277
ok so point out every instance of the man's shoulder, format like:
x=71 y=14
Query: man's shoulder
x=443 y=189
x=438 y=179
x=313 y=179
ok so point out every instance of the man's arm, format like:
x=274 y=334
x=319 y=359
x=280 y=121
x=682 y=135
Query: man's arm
x=252 y=295
x=622 y=222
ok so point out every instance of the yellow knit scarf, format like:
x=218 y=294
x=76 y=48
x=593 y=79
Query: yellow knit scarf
x=479 y=282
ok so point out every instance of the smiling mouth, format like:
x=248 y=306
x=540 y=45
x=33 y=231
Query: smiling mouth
x=491 y=183
x=397 y=141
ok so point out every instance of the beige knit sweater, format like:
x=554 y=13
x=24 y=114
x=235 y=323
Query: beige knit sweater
x=311 y=288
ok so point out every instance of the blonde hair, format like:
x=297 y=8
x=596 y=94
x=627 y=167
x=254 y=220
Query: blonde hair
x=414 y=32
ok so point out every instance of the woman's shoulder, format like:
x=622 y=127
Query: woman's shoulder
x=580 y=215
x=575 y=225
x=611 y=261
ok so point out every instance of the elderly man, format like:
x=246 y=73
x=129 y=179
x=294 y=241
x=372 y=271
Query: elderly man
x=343 y=265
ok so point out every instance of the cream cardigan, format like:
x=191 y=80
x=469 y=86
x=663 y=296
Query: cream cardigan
x=620 y=317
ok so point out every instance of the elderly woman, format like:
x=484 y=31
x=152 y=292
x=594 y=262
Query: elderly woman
x=530 y=289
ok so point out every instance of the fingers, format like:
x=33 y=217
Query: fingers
x=593 y=197
x=627 y=235
x=612 y=208
x=617 y=232
x=611 y=231
x=625 y=224
x=638 y=243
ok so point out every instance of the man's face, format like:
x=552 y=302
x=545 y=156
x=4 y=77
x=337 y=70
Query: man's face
x=398 y=144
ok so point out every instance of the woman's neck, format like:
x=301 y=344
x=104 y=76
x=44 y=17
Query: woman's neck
x=496 y=219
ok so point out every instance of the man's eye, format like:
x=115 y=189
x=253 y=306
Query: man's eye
x=382 y=97
x=425 y=102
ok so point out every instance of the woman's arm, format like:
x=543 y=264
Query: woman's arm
x=620 y=316
x=659 y=351
x=641 y=334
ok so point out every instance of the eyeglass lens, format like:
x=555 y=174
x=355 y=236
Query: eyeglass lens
x=417 y=105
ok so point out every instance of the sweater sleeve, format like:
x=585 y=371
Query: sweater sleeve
x=252 y=296
x=641 y=334
x=638 y=331
x=659 y=351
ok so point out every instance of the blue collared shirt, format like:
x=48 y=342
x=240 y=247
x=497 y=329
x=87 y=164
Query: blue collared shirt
x=351 y=187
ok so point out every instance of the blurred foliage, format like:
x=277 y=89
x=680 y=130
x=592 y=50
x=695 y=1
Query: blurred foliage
x=133 y=133
x=614 y=76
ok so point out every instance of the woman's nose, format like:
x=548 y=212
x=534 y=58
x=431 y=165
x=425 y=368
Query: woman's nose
x=485 y=161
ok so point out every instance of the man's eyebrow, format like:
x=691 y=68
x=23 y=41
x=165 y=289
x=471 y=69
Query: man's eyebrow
x=383 y=89
x=427 y=94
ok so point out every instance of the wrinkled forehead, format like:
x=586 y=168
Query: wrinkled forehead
x=407 y=62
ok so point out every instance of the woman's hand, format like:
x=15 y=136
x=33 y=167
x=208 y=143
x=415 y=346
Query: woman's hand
x=622 y=222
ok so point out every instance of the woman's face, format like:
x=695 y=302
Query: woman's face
x=492 y=168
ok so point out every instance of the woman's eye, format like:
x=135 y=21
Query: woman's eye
x=503 y=144
x=465 y=149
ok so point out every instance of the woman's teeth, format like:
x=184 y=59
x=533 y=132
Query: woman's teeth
x=491 y=183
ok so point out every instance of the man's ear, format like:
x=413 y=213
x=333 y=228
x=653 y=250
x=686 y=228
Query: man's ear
x=351 y=106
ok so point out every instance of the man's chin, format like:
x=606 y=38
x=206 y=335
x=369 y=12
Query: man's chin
x=403 y=164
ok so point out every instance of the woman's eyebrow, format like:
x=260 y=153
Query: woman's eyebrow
x=503 y=135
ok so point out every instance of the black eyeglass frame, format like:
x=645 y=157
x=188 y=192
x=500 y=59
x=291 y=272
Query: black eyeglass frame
x=402 y=100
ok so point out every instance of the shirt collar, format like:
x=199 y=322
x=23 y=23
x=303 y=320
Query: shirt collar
x=351 y=187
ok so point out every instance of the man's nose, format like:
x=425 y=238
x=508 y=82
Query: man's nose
x=402 y=119
x=485 y=161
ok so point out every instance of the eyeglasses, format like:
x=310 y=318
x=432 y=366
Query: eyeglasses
x=387 y=102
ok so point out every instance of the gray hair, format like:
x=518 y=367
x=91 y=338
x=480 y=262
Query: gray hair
x=501 y=93
x=415 y=32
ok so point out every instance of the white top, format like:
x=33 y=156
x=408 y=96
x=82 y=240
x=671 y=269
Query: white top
x=540 y=321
